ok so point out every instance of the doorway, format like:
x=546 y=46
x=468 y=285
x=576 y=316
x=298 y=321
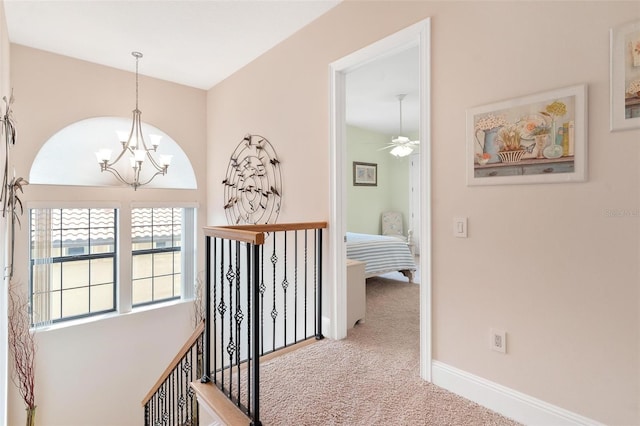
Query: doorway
x=415 y=35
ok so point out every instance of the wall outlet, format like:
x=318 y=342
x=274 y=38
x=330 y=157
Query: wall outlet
x=498 y=340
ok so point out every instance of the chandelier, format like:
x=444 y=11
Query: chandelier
x=136 y=149
x=401 y=146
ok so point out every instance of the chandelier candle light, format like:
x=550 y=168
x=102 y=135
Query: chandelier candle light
x=134 y=144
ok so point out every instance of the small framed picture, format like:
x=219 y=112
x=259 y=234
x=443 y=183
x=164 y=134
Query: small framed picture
x=625 y=77
x=365 y=174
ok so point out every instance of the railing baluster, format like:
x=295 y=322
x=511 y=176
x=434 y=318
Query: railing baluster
x=183 y=384
x=176 y=395
x=318 y=283
x=221 y=310
x=263 y=288
x=230 y=344
x=219 y=313
x=274 y=311
x=238 y=318
x=165 y=404
x=295 y=289
x=172 y=398
x=306 y=280
x=285 y=284
x=207 y=364
x=250 y=297
x=255 y=348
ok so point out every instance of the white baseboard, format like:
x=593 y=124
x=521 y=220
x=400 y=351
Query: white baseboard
x=501 y=399
x=326 y=327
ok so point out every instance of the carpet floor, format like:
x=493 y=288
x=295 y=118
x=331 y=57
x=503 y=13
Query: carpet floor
x=369 y=378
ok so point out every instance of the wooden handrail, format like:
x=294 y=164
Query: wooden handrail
x=255 y=233
x=172 y=365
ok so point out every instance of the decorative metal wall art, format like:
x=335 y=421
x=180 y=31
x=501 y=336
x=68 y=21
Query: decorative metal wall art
x=8 y=129
x=11 y=203
x=253 y=183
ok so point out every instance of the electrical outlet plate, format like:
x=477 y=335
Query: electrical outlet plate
x=498 y=340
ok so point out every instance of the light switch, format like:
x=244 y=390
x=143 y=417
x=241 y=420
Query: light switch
x=460 y=227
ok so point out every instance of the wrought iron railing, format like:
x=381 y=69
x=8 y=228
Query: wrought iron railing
x=172 y=401
x=264 y=288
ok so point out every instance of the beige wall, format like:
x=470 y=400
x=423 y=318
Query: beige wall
x=98 y=372
x=546 y=263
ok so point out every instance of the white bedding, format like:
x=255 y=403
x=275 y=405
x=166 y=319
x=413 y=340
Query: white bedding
x=381 y=254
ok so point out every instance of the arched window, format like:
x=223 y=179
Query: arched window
x=68 y=157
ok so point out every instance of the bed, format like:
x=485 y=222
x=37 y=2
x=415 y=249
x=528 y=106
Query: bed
x=381 y=254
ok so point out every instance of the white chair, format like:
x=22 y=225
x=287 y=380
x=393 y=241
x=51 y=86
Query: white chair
x=392 y=225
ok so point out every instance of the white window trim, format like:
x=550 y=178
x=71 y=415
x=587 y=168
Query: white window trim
x=124 y=296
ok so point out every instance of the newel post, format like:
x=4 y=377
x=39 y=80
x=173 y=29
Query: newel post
x=207 y=321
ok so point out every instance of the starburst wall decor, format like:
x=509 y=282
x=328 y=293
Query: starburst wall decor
x=253 y=183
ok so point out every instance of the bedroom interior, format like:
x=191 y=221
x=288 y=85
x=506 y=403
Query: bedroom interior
x=382 y=216
x=373 y=90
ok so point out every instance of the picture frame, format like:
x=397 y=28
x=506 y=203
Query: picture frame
x=365 y=174
x=625 y=76
x=539 y=138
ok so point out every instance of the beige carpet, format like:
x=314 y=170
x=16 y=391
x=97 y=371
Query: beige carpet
x=369 y=378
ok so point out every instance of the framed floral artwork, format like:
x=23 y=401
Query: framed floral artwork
x=540 y=138
x=365 y=174
x=625 y=77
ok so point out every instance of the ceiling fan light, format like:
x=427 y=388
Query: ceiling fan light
x=401 y=151
x=402 y=145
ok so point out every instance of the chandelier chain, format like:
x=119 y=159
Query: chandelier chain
x=137 y=55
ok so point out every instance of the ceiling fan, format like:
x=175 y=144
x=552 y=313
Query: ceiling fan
x=401 y=146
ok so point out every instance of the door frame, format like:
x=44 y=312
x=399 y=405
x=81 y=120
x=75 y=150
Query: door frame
x=418 y=34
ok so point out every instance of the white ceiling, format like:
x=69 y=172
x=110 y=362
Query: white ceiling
x=373 y=89
x=196 y=43
x=199 y=43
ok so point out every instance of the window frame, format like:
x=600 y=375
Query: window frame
x=123 y=255
x=153 y=251
x=67 y=259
